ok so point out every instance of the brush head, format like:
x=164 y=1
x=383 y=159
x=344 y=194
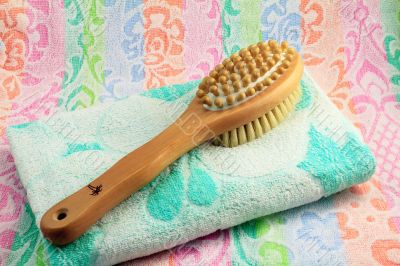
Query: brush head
x=253 y=91
x=245 y=75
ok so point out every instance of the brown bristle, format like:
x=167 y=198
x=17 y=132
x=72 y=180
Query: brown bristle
x=251 y=66
x=236 y=58
x=248 y=59
x=211 y=81
x=240 y=96
x=222 y=79
x=237 y=85
x=226 y=89
x=264 y=69
x=280 y=70
x=291 y=50
x=255 y=75
x=276 y=57
x=258 y=87
x=214 y=90
x=274 y=76
x=272 y=44
x=200 y=93
x=243 y=52
x=252 y=46
x=207 y=100
x=219 y=102
x=265 y=55
x=263 y=45
x=278 y=50
x=230 y=99
x=254 y=50
x=267 y=82
x=240 y=65
x=219 y=67
x=259 y=61
x=286 y=63
x=203 y=86
x=224 y=72
x=213 y=74
x=230 y=65
x=250 y=91
x=235 y=77
x=243 y=72
x=244 y=75
x=284 y=45
x=270 y=62
x=238 y=76
x=246 y=80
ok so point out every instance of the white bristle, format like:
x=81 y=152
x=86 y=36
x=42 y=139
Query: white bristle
x=251 y=135
x=234 y=138
x=242 y=135
x=283 y=109
x=261 y=125
x=225 y=139
x=243 y=76
x=257 y=128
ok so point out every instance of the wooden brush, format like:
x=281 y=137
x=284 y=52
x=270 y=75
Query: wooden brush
x=241 y=99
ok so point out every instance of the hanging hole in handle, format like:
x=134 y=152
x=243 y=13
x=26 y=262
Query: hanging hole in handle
x=61 y=214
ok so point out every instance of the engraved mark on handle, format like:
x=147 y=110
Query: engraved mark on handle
x=95 y=189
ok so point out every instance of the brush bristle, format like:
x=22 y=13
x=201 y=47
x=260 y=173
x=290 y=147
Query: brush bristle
x=261 y=125
x=245 y=74
x=242 y=76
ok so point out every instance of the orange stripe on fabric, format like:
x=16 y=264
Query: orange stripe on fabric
x=367 y=210
x=363 y=210
x=163 y=43
x=323 y=49
x=12 y=57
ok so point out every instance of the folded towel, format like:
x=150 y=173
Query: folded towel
x=314 y=153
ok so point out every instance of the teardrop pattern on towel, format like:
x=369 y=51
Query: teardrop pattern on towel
x=166 y=199
x=202 y=190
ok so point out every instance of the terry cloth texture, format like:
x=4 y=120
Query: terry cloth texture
x=314 y=153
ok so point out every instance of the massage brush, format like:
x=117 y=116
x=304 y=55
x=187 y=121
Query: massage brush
x=241 y=99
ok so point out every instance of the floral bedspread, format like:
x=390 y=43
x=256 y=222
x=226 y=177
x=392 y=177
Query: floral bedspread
x=60 y=56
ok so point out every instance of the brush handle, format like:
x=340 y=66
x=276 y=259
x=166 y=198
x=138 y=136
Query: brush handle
x=73 y=216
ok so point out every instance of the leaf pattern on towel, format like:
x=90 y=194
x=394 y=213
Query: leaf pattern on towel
x=306 y=97
x=80 y=147
x=165 y=200
x=333 y=165
x=30 y=248
x=202 y=190
x=27 y=240
x=168 y=191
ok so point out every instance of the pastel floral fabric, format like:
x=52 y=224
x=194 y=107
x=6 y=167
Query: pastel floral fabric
x=60 y=56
